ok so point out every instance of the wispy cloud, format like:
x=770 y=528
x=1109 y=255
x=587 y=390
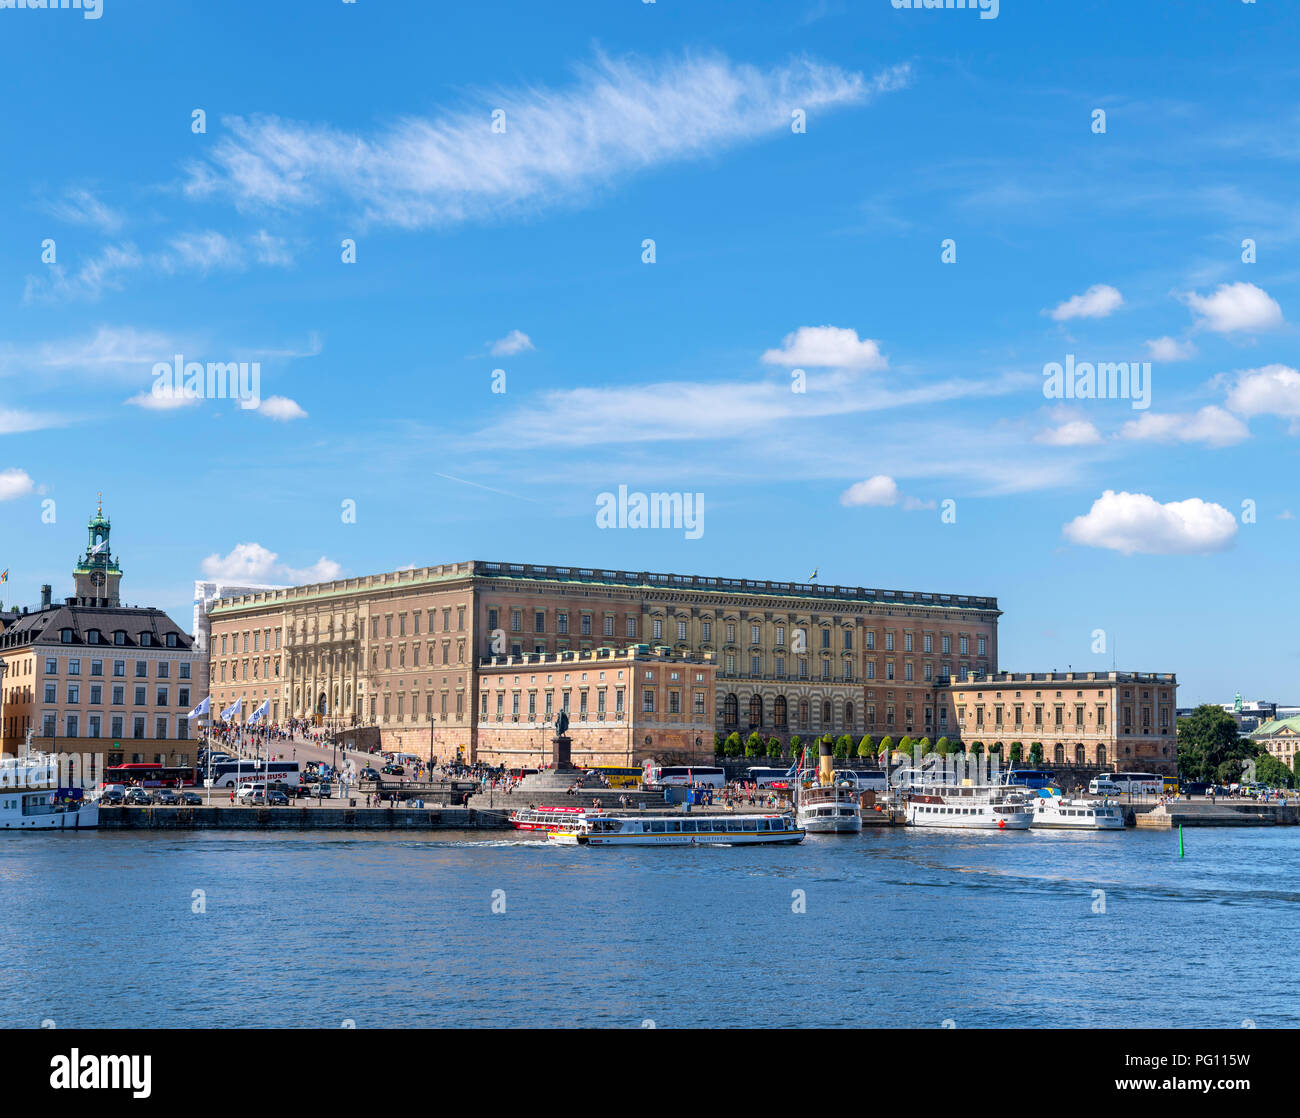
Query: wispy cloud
x=514 y=342
x=78 y=206
x=619 y=117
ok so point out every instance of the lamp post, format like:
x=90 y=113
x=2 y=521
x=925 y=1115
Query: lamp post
x=4 y=668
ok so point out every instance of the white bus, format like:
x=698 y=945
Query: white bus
x=1137 y=784
x=765 y=778
x=231 y=774
x=660 y=776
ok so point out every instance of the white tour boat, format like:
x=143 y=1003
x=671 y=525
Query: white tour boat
x=1053 y=810
x=31 y=799
x=935 y=799
x=595 y=829
x=825 y=807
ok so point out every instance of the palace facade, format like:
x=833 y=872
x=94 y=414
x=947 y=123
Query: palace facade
x=409 y=651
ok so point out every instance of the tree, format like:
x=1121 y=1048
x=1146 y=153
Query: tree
x=773 y=747
x=1272 y=773
x=719 y=748
x=1017 y=750
x=976 y=748
x=943 y=746
x=866 y=747
x=905 y=746
x=925 y=746
x=886 y=747
x=1208 y=741
x=796 y=744
x=754 y=745
x=843 y=747
x=1036 y=753
x=735 y=747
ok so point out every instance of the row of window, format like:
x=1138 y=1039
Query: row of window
x=141 y=670
x=260 y=638
x=72 y=726
x=96 y=694
x=415 y=622
x=121 y=637
x=699 y=703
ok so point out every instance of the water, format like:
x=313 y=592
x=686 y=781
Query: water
x=902 y=928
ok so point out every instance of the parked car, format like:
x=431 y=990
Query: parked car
x=301 y=792
x=391 y=769
x=167 y=796
x=112 y=797
x=136 y=797
x=321 y=790
x=276 y=799
x=369 y=774
x=191 y=799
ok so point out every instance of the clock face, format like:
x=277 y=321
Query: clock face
x=97 y=578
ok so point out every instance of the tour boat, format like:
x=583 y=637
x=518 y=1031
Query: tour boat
x=935 y=799
x=595 y=829
x=31 y=799
x=1052 y=810
x=825 y=807
x=544 y=818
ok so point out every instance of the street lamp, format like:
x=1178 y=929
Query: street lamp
x=4 y=668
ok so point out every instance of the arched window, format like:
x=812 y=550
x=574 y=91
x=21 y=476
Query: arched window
x=848 y=716
x=730 y=710
x=1080 y=758
x=803 y=715
x=1101 y=754
x=779 y=713
x=826 y=712
x=756 y=710
x=1060 y=753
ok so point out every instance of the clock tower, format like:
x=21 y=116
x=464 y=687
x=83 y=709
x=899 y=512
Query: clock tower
x=97 y=574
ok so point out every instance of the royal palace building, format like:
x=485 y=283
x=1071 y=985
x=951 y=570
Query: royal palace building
x=412 y=652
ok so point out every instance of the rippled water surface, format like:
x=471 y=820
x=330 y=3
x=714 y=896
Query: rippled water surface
x=901 y=928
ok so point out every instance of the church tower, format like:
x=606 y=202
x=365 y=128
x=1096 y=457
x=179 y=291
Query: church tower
x=97 y=574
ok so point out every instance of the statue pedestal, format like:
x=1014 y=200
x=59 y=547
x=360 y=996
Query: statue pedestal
x=562 y=754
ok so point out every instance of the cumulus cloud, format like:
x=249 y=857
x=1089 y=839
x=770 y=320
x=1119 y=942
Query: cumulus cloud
x=1211 y=425
x=251 y=562
x=514 y=342
x=1074 y=432
x=827 y=347
x=1137 y=523
x=1235 y=306
x=15 y=483
x=163 y=398
x=1169 y=349
x=879 y=490
x=1098 y=301
x=1271 y=390
x=280 y=408
x=621 y=116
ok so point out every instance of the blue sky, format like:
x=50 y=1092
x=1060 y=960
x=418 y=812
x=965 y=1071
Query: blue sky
x=1168 y=526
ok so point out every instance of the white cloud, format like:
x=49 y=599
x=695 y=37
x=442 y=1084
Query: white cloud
x=1235 y=306
x=880 y=490
x=827 y=347
x=1136 y=523
x=209 y=251
x=105 y=272
x=80 y=207
x=163 y=399
x=1211 y=425
x=1074 y=432
x=112 y=351
x=1169 y=349
x=1271 y=390
x=280 y=408
x=14 y=421
x=1098 y=301
x=251 y=562
x=514 y=342
x=620 y=117
x=15 y=483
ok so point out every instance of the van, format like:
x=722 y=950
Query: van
x=1101 y=786
x=248 y=791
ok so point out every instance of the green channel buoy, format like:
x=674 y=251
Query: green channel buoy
x=1181 y=852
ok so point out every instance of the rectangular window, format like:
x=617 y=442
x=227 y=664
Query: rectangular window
x=609 y=626
x=631 y=628
x=706 y=631
x=586 y=624
x=539 y=621
x=647 y=700
x=139 y=696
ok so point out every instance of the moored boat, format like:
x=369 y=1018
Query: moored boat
x=32 y=800
x=544 y=818
x=936 y=798
x=826 y=807
x=1054 y=811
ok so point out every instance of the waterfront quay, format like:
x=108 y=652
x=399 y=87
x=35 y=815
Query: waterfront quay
x=341 y=818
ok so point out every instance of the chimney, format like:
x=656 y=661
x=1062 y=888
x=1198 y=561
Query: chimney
x=826 y=765
x=46 y=592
